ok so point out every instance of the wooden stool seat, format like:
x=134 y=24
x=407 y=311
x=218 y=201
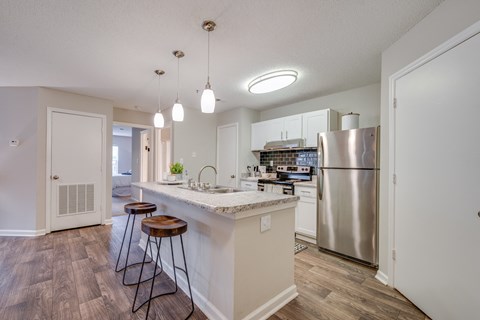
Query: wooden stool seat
x=163 y=226
x=140 y=208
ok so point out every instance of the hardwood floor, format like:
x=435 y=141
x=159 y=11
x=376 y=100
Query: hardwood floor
x=70 y=275
x=334 y=288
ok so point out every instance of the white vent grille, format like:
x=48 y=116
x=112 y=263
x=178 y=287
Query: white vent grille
x=76 y=199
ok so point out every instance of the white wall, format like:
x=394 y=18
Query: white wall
x=447 y=20
x=197 y=133
x=364 y=100
x=18 y=165
x=132 y=116
x=24 y=115
x=244 y=117
x=124 y=152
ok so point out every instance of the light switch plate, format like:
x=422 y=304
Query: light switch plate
x=265 y=223
x=14 y=143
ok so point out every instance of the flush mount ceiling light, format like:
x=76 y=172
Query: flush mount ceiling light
x=158 y=120
x=177 y=111
x=208 y=97
x=272 y=81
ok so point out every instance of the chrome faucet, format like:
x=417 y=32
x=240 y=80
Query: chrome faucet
x=200 y=173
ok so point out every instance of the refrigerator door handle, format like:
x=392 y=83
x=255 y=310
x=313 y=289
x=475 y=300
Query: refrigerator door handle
x=320 y=170
x=320 y=151
x=320 y=184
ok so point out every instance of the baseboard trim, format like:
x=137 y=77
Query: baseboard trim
x=22 y=233
x=382 y=277
x=273 y=305
x=108 y=221
x=306 y=238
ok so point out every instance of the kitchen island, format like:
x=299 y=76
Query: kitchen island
x=236 y=270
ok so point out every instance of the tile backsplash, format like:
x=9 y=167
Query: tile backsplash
x=300 y=157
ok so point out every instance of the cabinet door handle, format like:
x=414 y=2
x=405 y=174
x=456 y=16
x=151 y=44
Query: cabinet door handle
x=281 y=135
x=286 y=135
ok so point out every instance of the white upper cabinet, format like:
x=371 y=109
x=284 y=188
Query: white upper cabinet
x=259 y=135
x=275 y=130
x=300 y=126
x=316 y=122
x=292 y=127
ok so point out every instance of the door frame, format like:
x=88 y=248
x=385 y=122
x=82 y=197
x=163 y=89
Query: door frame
x=438 y=51
x=48 y=181
x=235 y=124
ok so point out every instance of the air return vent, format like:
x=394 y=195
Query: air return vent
x=76 y=198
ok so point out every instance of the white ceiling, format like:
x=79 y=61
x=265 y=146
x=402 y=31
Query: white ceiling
x=110 y=48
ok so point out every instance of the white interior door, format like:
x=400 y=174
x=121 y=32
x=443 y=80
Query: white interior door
x=77 y=152
x=227 y=150
x=437 y=193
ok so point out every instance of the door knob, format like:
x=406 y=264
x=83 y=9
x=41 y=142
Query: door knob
x=55 y=177
x=232 y=176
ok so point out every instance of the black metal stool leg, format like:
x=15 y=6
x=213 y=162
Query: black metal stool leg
x=139 y=278
x=121 y=246
x=128 y=252
x=153 y=281
x=173 y=266
x=188 y=278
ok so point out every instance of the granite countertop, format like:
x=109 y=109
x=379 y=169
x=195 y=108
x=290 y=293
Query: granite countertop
x=226 y=203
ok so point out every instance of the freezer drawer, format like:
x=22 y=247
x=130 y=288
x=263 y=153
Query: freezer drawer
x=347 y=213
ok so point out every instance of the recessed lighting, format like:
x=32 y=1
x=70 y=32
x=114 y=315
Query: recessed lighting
x=272 y=81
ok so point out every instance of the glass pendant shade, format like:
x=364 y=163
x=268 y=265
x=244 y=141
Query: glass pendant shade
x=208 y=100
x=177 y=112
x=158 y=120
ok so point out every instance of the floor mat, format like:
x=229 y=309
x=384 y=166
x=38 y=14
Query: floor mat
x=299 y=247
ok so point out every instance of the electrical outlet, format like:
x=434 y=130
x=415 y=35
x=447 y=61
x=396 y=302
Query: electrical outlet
x=265 y=223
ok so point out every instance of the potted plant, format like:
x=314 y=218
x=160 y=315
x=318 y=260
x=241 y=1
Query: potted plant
x=176 y=169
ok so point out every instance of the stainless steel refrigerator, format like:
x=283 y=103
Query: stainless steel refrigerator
x=347 y=193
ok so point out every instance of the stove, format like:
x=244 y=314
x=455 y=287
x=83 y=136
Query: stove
x=285 y=179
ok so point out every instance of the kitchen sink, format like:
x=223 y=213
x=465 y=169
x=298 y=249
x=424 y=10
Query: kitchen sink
x=216 y=189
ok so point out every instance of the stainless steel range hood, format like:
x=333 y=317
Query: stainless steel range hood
x=285 y=144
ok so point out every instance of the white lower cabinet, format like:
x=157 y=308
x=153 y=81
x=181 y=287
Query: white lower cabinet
x=248 y=185
x=306 y=214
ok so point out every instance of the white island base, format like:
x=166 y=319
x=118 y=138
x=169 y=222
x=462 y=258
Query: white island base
x=236 y=271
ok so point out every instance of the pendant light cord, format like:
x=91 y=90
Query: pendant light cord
x=158 y=96
x=208 y=57
x=178 y=75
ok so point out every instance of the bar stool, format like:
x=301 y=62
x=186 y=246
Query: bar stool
x=163 y=227
x=134 y=209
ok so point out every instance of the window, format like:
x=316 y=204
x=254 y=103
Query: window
x=114 y=160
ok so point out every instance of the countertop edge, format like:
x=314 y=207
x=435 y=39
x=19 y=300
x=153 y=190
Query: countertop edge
x=232 y=211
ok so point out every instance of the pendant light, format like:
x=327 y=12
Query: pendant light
x=158 y=120
x=208 y=97
x=177 y=111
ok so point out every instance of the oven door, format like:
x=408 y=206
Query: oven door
x=287 y=190
x=261 y=186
